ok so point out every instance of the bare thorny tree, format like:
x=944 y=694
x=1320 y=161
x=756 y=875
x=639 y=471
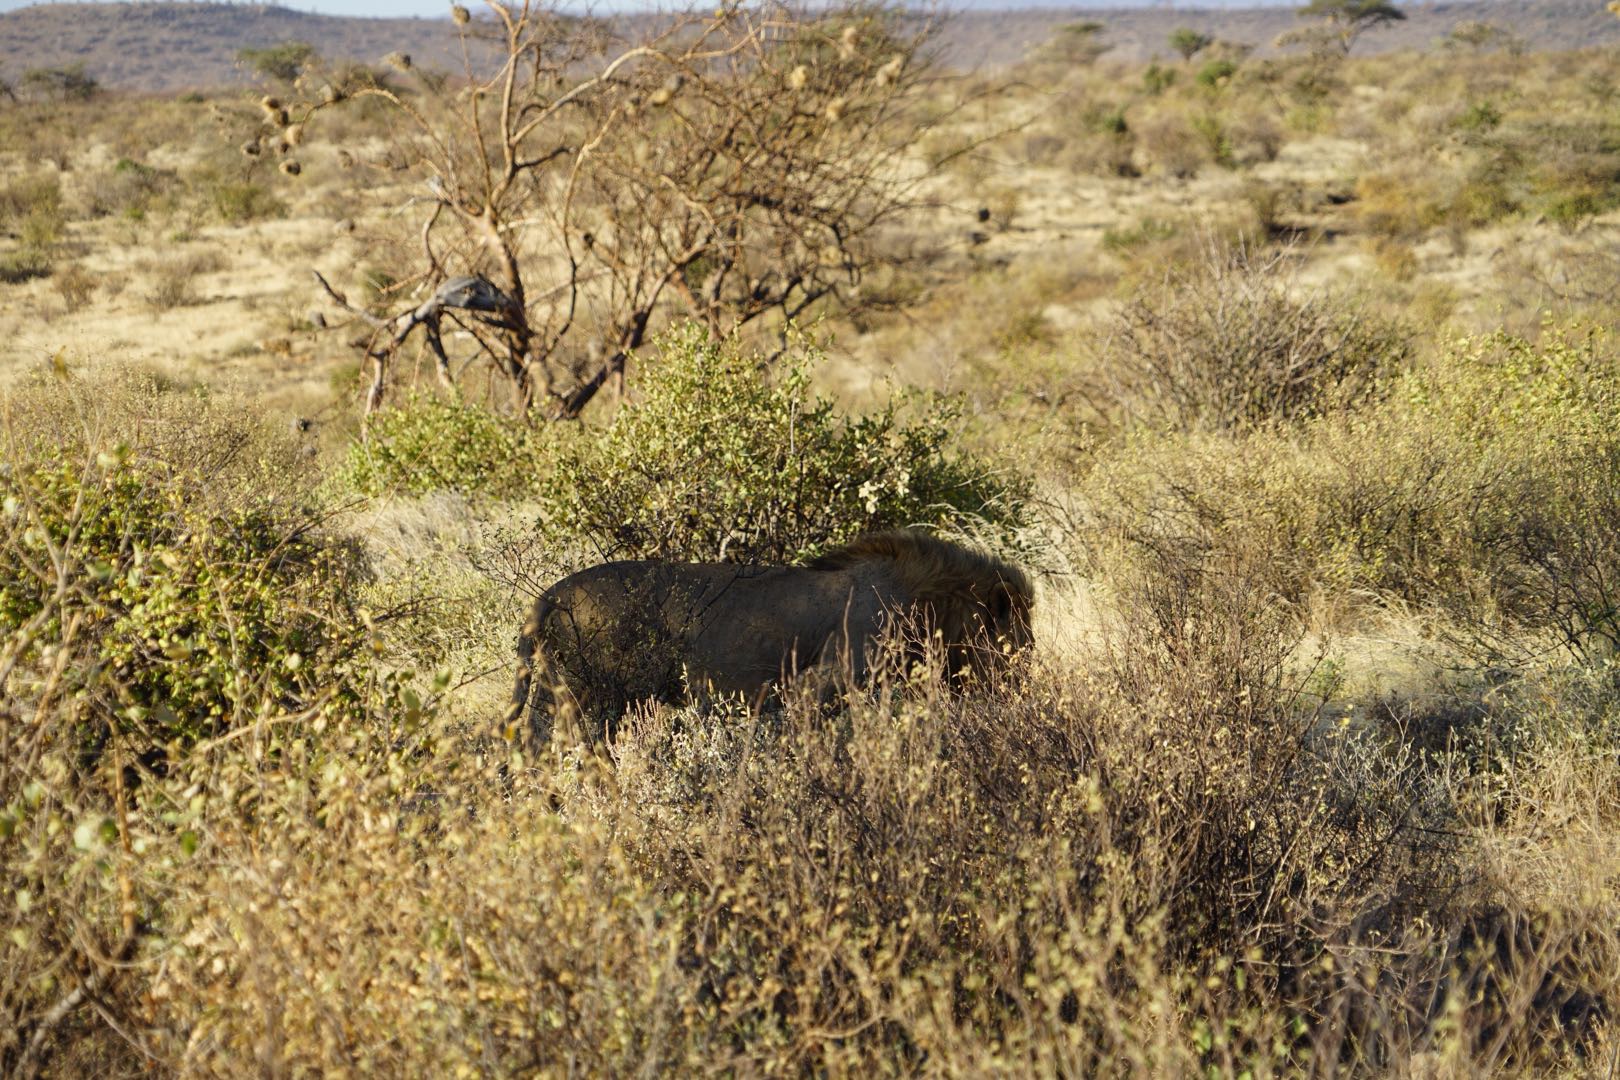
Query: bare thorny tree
x=582 y=177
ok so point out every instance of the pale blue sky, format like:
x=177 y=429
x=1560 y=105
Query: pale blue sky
x=438 y=8
x=391 y=9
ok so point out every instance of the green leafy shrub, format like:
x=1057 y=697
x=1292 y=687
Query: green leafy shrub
x=1216 y=73
x=178 y=652
x=711 y=460
x=714 y=461
x=1156 y=80
x=1480 y=116
x=1210 y=128
x=429 y=444
x=161 y=552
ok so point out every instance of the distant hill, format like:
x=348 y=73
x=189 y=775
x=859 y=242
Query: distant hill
x=1003 y=37
x=165 y=47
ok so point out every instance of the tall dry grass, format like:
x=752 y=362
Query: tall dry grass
x=1152 y=854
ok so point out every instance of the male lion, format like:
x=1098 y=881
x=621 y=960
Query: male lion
x=626 y=632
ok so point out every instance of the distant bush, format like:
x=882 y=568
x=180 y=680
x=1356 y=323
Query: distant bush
x=75 y=285
x=1216 y=73
x=1123 y=238
x=238 y=203
x=68 y=83
x=1171 y=140
x=28 y=195
x=174 y=278
x=32 y=206
x=1189 y=42
x=24 y=264
x=283 y=62
x=1210 y=128
x=129 y=188
x=1228 y=343
x=1156 y=79
x=1480 y=116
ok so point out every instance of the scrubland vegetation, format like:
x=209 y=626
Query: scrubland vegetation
x=1294 y=378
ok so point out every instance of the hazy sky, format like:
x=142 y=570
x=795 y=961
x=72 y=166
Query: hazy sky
x=393 y=8
x=436 y=8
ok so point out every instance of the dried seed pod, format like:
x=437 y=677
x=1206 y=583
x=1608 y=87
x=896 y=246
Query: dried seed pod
x=848 y=41
x=460 y=15
x=666 y=93
x=291 y=167
x=798 y=77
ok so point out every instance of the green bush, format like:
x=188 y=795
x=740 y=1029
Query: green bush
x=714 y=461
x=1216 y=73
x=161 y=551
x=1480 y=116
x=176 y=641
x=429 y=444
x=1156 y=80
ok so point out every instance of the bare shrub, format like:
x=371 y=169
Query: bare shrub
x=730 y=167
x=1234 y=341
x=174 y=280
x=129 y=188
x=75 y=285
x=1168 y=142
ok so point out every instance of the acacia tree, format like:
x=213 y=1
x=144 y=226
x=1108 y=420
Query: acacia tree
x=1189 y=42
x=1342 y=23
x=583 y=177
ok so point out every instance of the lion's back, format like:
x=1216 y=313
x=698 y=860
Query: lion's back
x=648 y=626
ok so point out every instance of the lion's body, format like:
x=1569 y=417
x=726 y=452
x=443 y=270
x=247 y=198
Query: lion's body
x=625 y=632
